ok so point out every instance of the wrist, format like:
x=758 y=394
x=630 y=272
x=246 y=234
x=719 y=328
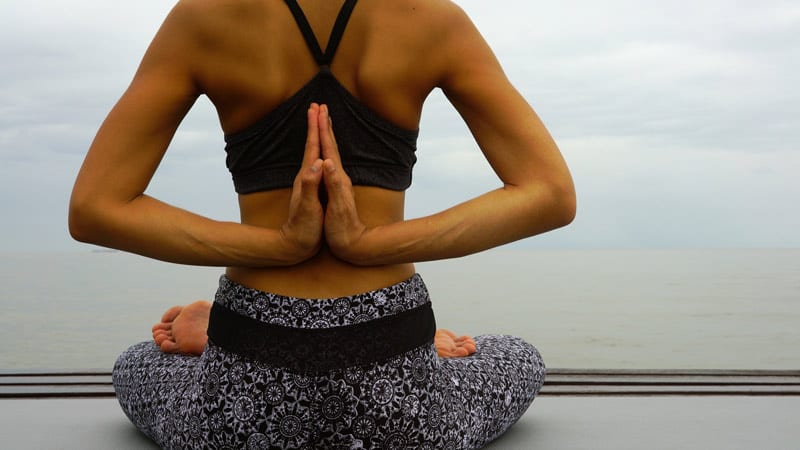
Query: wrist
x=294 y=250
x=355 y=249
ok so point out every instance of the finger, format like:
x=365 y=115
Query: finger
x=312 y=150
x=310 y=180
x=329 y=147
x=305 y=192
x=337 y=183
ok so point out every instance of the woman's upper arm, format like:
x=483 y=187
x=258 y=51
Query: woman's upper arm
x=134 y=136
x=508 y=131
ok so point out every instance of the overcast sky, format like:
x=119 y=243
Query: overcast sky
x=679 y=119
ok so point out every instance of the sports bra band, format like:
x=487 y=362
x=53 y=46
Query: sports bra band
x=323 y=59
x=268 y=154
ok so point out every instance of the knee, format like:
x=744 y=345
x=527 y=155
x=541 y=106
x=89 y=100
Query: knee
x=523 y=359
x=511 y=347
x=129 y=366
x=532 y=367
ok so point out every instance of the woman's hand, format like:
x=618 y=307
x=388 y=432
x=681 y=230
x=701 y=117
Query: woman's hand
x=343 y=227
x=302 y=231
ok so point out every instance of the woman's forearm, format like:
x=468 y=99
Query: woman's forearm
x=493 y=219
x=537 y=196
x=151 y=228
x=108 y=207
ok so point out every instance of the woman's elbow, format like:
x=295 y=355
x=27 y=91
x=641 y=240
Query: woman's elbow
x=568 y=204
x=83 y=220
x=563 y=202
x=79 y=227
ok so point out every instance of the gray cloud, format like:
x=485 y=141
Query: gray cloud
x=678 y=119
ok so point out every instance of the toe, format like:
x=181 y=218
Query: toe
x=162 y=326
x=447 y=333
x=171 y=314
x=161 y=336
x=169 y=346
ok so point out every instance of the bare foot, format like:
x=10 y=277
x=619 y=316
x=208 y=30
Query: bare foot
x=448 y=345
x=183 y=328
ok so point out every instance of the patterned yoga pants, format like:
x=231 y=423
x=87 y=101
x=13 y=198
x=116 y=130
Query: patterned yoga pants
x=411 y=400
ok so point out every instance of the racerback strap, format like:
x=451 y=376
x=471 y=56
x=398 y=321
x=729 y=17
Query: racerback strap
x=323 y=59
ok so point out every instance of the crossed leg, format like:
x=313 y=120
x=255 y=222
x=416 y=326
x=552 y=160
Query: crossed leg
x=182 y=329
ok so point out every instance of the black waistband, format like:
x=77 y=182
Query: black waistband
x=316 y=350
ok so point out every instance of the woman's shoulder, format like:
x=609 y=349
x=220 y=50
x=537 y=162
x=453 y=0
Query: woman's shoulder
x=431 y=25
x=420 y=16
x=433 y=13
x=203 y=12
x=213 y=16
x=217 y=6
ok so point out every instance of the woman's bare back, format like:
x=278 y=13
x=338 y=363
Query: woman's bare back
x=382 y=58
x=247 y=73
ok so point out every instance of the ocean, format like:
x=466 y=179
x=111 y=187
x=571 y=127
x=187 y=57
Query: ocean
x=620 y=309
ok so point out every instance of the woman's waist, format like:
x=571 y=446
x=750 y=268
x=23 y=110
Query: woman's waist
x=321 y=277
x=322 y=346
x=324 y=334
x=334 y=311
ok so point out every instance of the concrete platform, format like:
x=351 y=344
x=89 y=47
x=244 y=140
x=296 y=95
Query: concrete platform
x=577 y=409
x=553 y=423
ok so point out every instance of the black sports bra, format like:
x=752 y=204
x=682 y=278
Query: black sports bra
x=268 y=154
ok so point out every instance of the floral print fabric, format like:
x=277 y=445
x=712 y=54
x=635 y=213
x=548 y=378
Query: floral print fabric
x=415 y=400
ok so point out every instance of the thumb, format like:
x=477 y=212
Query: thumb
x=337 y=183
x=332 y=177
x=310 y=181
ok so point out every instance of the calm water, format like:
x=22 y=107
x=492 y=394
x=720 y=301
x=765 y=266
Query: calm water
x=702 y=309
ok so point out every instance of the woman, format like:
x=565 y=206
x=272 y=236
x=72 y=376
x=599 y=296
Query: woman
x=321 y=333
